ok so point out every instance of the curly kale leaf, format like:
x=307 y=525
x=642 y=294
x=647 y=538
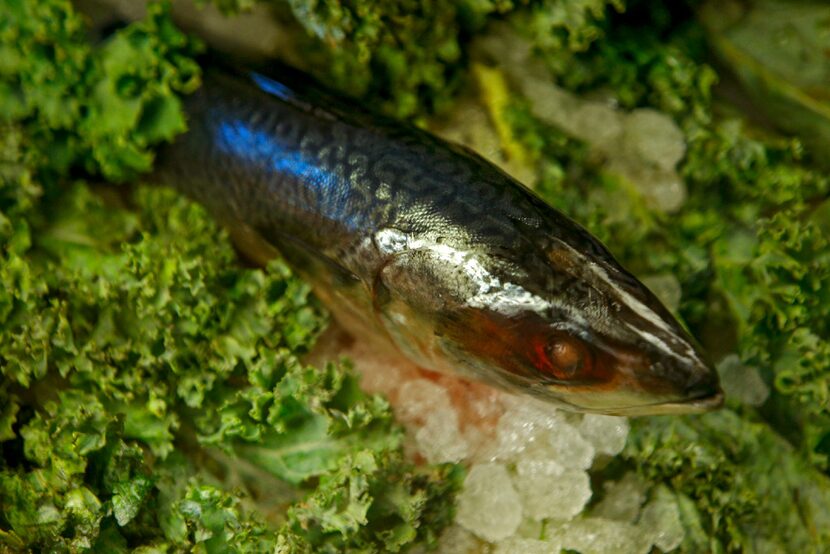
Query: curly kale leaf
x=102 y=107
x=152 y=395
x=404 y=506
x=409 y=57
x=750 y=488
x=164 y=348
x=301 y=424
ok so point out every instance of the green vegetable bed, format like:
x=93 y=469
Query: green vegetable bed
x=152 y=396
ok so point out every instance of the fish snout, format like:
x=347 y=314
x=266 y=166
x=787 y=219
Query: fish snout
x=693 y=383
x=673 y=380
x=705 y=391
x=705 y=385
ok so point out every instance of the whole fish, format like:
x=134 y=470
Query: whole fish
x=426 y=244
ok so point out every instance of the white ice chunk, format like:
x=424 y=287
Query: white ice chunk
x=425 y=406
x=661 y=520
x=655 y=137
x=488 y=505
x=623 y=499
x=512 y=437
x=607 y=434
x=527 y=546
x=548 y=491
x=419 y=397
x=504 y=44
x=741 y=382
x=599 y=124
x=664 y=190
x=552 y=104
x=531 y=430
x=521 y=426
x=600 y=536
x=457 y=540
x=439 y=439
x=479 y=444
x=568 y=447
x=532 y=467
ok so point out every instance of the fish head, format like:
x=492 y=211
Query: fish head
x=575 y=328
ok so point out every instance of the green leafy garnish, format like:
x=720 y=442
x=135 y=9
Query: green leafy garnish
x=152 y=390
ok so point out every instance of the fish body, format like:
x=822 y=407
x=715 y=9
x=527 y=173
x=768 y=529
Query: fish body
x=428 y=245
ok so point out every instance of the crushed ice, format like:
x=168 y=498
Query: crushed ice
x=527 y=487
x=642 y=146
x=741 y=382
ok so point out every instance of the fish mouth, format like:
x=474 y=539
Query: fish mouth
x=694 y=405
x=706 y=401
x=698 y=405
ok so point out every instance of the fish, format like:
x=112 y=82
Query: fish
x=429 y=248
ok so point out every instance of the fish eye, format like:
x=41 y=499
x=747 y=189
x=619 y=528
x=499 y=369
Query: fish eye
x=563 y=358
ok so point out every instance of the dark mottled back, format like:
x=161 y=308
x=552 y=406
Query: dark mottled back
x=291 y=159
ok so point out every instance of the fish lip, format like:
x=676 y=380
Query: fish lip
x=704 y=403
x=695 y=405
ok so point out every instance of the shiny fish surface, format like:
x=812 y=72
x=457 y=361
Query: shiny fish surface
x=431 y=248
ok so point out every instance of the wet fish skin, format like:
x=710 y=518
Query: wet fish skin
x=422 y=242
